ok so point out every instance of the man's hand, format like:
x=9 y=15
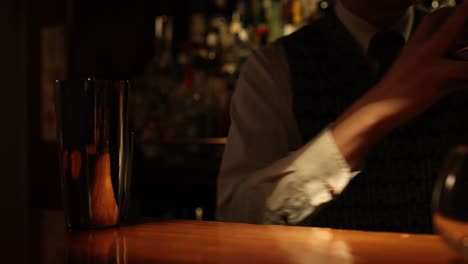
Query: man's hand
x=421 y=76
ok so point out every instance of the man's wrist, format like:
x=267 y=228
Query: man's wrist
x=359 y=128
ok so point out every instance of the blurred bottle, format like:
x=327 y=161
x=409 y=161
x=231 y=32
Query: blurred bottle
x=312 y=10
x=262 y=30
x=287 y=17
x=152 y=89
x=297 y=10
x=275 y=23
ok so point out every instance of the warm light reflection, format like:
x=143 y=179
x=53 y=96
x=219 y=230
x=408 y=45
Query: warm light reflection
x=104 y=246
x=91 y=149
x=450 y=181
x=316 y=246
x=104 y=209
x=75 y=167
x=454 y=232
x=158 y=27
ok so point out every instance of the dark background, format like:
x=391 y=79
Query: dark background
x=13 y=132
x=106 y=39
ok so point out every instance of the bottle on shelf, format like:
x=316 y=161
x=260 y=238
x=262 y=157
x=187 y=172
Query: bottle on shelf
x=311 y=10
x=298 y=13
x=152 y=88
x=262 y=30
x=287 y=17
x=275 y=23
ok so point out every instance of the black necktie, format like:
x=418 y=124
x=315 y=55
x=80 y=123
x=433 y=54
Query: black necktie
x=384 y=48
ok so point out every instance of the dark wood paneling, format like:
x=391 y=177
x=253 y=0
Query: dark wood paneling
x=110 y=41
x=13 y=187
x=44 y=188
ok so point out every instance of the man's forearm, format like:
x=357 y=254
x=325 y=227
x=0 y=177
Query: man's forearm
x=358 y=129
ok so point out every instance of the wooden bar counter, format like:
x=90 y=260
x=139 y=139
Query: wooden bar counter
x=212 y=242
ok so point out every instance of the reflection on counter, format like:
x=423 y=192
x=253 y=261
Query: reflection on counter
x=105 y=246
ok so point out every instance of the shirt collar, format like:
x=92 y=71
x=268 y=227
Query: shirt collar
x=362 y=31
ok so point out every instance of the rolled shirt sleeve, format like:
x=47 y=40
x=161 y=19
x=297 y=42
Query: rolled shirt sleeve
x=268 y=175
x=318 y=172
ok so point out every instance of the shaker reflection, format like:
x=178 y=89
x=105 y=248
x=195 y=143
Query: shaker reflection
x=104 y=246
x=104 y=206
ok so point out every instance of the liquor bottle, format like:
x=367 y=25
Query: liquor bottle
x=312 y=12
x=219 y=21
x=297 y=10
x=197 y=28
x=152 y=89
x=261 y=30
x=197 y=50
x=275 y=24
x=212 y=60
x=239 y=22
x=241 y=48
x=183 y=107
x=287 y=17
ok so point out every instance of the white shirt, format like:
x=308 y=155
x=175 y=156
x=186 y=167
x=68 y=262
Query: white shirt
x=268 y=175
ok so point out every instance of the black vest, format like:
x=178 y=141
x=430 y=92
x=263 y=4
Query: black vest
x=394 y=190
